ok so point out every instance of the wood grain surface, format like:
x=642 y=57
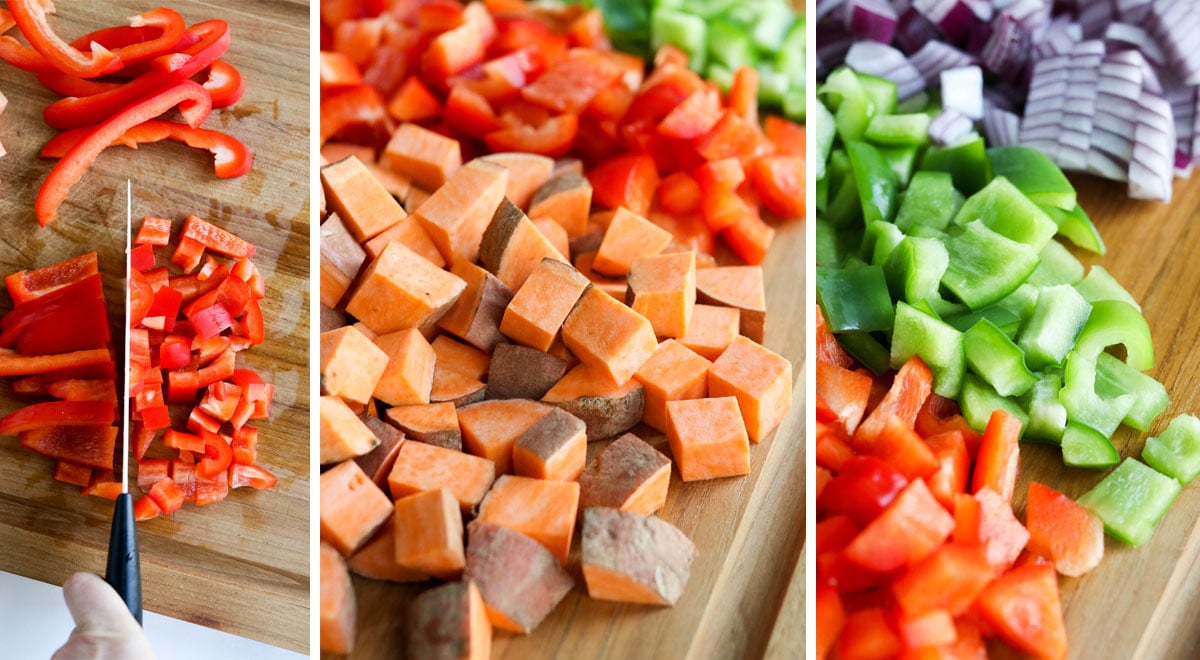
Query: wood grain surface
x=1141 y=602
x=241 y=565
x=749 y=532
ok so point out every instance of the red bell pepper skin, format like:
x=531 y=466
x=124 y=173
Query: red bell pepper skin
x=231 y=158
x=224 y=83
x=252 y=476
x=148 y=35
x=65 y=84
x=71 y=473
x=628 y=180
x=245 y=446
x=862 y=489
x=70 y=319
x=211 y=490
x=359 y=113
x=142 y=258
x=79 y=389
x=141 y=297
x=154 y=231
x=184 y=441
x=146 y=509
x=167 y=495
x=31 y=18
x=194 y=104
x=57 y=414
x=90 y=445
x=216 y=239
x=24 y=286
x=218 y=456
x=14 y=364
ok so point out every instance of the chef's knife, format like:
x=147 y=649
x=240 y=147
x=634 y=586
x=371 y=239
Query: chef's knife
x=124 y=571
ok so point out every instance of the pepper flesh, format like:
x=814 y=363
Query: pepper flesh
x=31 y=19
x=231 y=158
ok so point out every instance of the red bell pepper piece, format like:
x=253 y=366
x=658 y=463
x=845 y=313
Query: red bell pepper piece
x=218 y=456
x=146 y=509
x=183 y=474
x=224 y=83
x=13 y=364
x=155 y=417
x=211 y=321
x=338 y=72
x=627 y=180
x=220 y=369
x=152 y=471
x=142 y=258
x=141 y=439
x=194 y=104
x=71 y=473
x=187 y=256
x=69 y=319
x=787 y=136
x=148 y=35
x=251 y=475
x=1022 y=606
x=1062 y=530
x=154 y=231
x=166 y=304
x=245 y=446
x=831 y=616
x=358 y=114
x=25 y=286
x=950 y=579
x=909 y=390
x=868 y=633
x=953 y=464
x=216 y=239
x=31 y=18
x=212 y=39
x=57 y=414
x=862 y=489
x=167 y=495
x=141 y=297
x=552 y=138
x=86 y=445
x=65 y=84
x=199 y=422
x=182 y=385
x=211 y=490
x=78 y=389
x=252 y=323
x=997 y=461
x=103 y=485
x=779 y=182
x=183 y=441
x=907 y=531
x=231 y=158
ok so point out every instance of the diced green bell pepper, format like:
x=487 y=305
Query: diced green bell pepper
x=915 y=268
x=978 y=400
x=823 y=133
x=930 y=200
x=1057 y=266
x=1001 y=317
x=1176 y=452
x=985 y=266
x=1114 y=378
x=879 y=241
x=938 y=344
x=996 y=359
x=877 y=186
x=1056 y=321
x=1033 y=174
x=1021 y=302
x=866 y=349
x=686 y=31
x=855 y=299
x=967 y=163
x=1008 y=212
x=1087 y=448
x=1047 y=416
x=902 y=160
x=731 y=45
x=910 y=130
x=1100 y=285
x=1077 y=227
x=1110 y=323
x=1131 y=500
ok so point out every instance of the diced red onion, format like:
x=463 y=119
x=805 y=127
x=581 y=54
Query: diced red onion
x=955 y=18
x=886 y=62
x=1094 y=16
x=914 y=31
x=950 y=127
x=826 y=7
x=937 y=56
x=1001 y=127
x=871 y=19
x=1007 y=50
x=1133 y=11
x=962 y=90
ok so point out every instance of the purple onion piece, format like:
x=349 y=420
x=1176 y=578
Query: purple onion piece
x=871 y=19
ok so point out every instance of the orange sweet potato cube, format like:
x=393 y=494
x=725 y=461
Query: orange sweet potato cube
x=408 y=377
x=760 y=379
x=490 y=428
x=608 y=336
x=628 y=237
x=425 y=157
x=350 y=364
x=673 y=373
x=555 y=448
x=542 y=510
x=357 y=197
x=457 y=213
x=708 y=438
x=421 y=467
x=429 y=534
x=711 y=330
x=409 y=232
x=352 y=507
x=402 y=290
x=538 y=309
x=662 y=288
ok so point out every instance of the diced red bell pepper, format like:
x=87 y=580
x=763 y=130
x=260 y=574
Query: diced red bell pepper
x=949 y=579
x=845 y=392
x=182 y=386
x=831 y=617
x=211 y=321
x=141 y=258
x=167 y=495
x=174 y=352
x=199 y=422
x=146 y=509
x=141 y=297
x=252 y=323
x=216 y=239
x=999 y=530
x=1022 y=606
x=166 y=304
x=155 y=417
x=953 y=465
x=218 y=455
x=997 y=462
x=183 y=441
x=910 y=387
x=903 y=449
x=833 y=449
x=141 y=439
x=183 y=474
x=459 y=49
x=627 y=180
x=102 y=485
x=245 y=445
x=907 y=531
x=552 y=138
x=24 y=286
x=31 y=18
x=220 y=369
x=779 y=182
x=211 y=490
x=414 y=102
x=787 y=136
x=1063 y=531
x=220 y=400
x=358 y=114
x=253 y=476
x=82 y=389
x=151 y=471
x=868 y=634
x=154 y=231
x=693 y=118
x=338 y=72
x=749 y=238
x=470 y=114
x=187 y=255
x=72 y=473
x=862 y=489
x=679 y=193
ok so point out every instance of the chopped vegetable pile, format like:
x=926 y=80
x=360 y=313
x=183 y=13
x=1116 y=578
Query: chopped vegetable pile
x=515 y=308
x=114 y=93
x=1107 y=87
x=940 y=260
x=187 y=332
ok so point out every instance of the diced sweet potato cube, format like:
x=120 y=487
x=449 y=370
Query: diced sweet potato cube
x=543 y=510
x=332 y=152
x=434 y=424
x=739 y=287
x=708 y=438
x=401 y=289
x=352 y=507
x=711 y=330
x=613 y=286
x=351 y=365
x=356 y=196
x=334 y=283
x=408 y=378
x=343 y=435
x=339 y=611
x=566 y=199
x=409 y=232
x=421 y=467
x=634 y=558
x=629 y=475
x=449 y=622
x=520 y=372
x=555 y=447
x=475 y=316
x=429 y=534
x=608 y=336
x=628 y=237
x=538 y=309
x=396 y=184
x=458 y=212
x=460 y=358
x=377 y=558
x=662 y=288
x=520 y=581
x=340 y=248
x=526 y=173
x=377 y=463
x=554 y=233
x=606 y=408
x=490 y=428
x=512 y=246
x=673 y=373
x=454 y=387
x=760 y=379
x=425 y=157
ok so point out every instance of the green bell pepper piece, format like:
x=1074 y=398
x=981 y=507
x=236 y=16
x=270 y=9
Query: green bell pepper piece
x=1047 y=416
x=826 y=244
x=915 y=268
x=996 y=359
x=791 y=57
x=985 y=266
x=1131 y=500
x=845 y=205
x=731 y=45
x=1001 y=317
x=1077 y=227
x=978 y=400
x=773 y=85
x=773 y=25
x=1176 y=452
x=910 y=130
x=686 y=31
x=1056 y=321
x=1100 y=285
x=1056 y=265
x=930 y=200
x=1008 y=212
x=1033 y=174
x=795 y=104
x=902 y=160
x=881 y=92
x=866 y=349
x=1021 y=302
x=938 y=344
x=967 y=163
x=855 y=299
x=1110 y=323
x=877 y=186
x=1114 y=378
x=1087 y=448
x=879 y=241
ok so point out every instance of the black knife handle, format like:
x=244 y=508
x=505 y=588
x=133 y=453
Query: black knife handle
x=124 y=571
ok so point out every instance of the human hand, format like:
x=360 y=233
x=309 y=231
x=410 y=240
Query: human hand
x=104 y=628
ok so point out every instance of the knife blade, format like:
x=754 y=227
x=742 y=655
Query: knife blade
x=123 y=571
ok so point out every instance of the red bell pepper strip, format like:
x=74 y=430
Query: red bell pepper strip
x=231 y=158
x=31 y=19
x=251 y=475
x=185 y=441
x=141 y=258
x=154 y=231
x=90 y=445
x=218 y=455
x=65 y=84
x=14 y=364
x=194 y=104
x=148 y=35
x=216 y=239
x=25 y=286
x=212 y=40
x=224 y=83
x=69 y=319
x=57 y=413
x=71 y=473
x=81 y=389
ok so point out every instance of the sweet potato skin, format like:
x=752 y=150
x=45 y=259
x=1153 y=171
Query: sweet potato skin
x=520 y=372
x=521 y=582
x=449 y=623
x=647 y=551
x=615 y=475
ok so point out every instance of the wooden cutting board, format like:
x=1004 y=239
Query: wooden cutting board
x=240 y=565
x=749 y=532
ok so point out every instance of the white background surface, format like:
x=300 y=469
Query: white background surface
x=34 y=622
